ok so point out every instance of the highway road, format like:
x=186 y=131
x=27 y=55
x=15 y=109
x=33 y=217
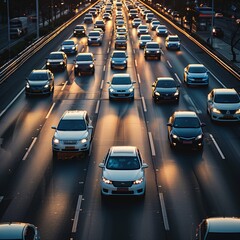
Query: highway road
x=63 y=197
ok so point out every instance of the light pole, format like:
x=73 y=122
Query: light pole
x=212 y=22
x=37 y=15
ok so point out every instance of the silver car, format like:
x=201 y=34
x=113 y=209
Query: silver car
x=123 y=172
x=172 y=42
x=223 y=105
x=69 y=46
x=121 y=86
x=119 y=59
x=195 y=74
x=161 y=30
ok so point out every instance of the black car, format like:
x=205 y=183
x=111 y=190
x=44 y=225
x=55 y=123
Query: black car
x=56 y=61
x=99 y=24
x=39 y=82
x=84 y=63
x=95 y=38
x=165 y=89
x=121 y=42
x=152 y=50
x=185 y=129
x=79 y=30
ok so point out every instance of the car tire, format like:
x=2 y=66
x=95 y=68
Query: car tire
x=54 y=155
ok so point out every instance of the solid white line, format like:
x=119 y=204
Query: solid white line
x=10 y=104
x=108 y=50
x=151 y=144
x=133 y=51
x=101 y=86
x=177 y=78
x=75 y=221
x=1 y=198
x=216 y=145
x=144 y=104
x=50 y=110
x=29 y=149
x=97 y=107
x=164 y=212
x=104 y=68
x=169 y=64
x=139 y=79
x=197 y=110
x=64 y=85
x=135 y=62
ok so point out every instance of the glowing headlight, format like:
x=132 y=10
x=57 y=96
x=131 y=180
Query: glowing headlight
x=111 y=90
x=176 y=93
x=27 y=85
x=215 y=110
x=73 y=48
x=74 y=32
x=113 y=61
x=147 y=51
x=91 y=65
x=138 y=181
x=46 y=85
x=107 y=181
x=84 y=140
x=157 y=93
x=199 y=137
x=61 y=63
x=130 y=89
x=174 y=136
x=56 y=141
x=158 y=51
x=76 y=66
x=62 y=48
x=48 y=63
x=238 y=111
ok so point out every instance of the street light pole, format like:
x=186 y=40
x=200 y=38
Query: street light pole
x=8 y=23
x=37 y=16
x=212 y=22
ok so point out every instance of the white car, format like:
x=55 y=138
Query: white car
x=73 y=133
x=123 y=172
x=223 y=105
x=161 y=30
x=172 y=42
x=69 y=46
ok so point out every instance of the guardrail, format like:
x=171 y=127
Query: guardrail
x=10 y=67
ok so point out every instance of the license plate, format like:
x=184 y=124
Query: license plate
x=228 y=116
x=70 y=147
x=122 y=189
x=187 y=142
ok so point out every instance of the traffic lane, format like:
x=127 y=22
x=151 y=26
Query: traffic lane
x=119 y=123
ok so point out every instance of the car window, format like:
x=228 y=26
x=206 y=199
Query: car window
x=226 y=98
x=223 y=236
x=197 y=69
x=55 y=56
x=186 y=122
x=152 y=46
x=165 y=84
x=83 y=58
x=71 y=125
x=121 y=80
x=123 y=163
x=38 y=76
x=119 y=55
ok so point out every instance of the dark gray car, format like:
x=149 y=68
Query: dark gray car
x=84 y=63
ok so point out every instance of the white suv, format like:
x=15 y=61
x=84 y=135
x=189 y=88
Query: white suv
x=73 y=133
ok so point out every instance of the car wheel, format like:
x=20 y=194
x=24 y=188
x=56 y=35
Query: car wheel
x=54 y=155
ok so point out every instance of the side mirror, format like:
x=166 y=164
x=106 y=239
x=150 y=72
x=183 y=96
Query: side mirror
x=203 y=124
x=133 y=82
x=101 y=165
x=54 y=127
x=144 y=166
x=169 y=124
x=90 y=127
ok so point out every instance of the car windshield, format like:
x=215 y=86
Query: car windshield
x=153 y=45
x=173 y=39
x=79 y=27
x=94 y=34
x=84 y=58
x=88 y=16
x=38 y=76
x=155 y=23
x=123 y=163
x=197 y=70
x=121 y=80
x=120 y=38
x=165 y=84
x=142 y=27
x=55 y=56
x=145 y=37
x=223 y=236
x=71 y=125
x=68 y=43
x=162 y=28
x=99 y=22
x=226 y=98
x=186 y=122
x=119 y=55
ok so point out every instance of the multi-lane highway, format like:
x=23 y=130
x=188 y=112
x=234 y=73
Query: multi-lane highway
x=62 y=198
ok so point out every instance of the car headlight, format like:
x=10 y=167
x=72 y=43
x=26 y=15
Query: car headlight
x=61 y=63
x=157 y=93
x=84 y=140
x=131 y=89
x=147 y=51
x=124 y=61
x=46 y=85
x=107 y=181
x=76 y=66
x=74 y=31
x=56 y=141
x=138 y=181
x=238 y=111
x=176 y=93
x=111 y=90
x=73 y=48
x=91 y=65
x=174 y=136
x=27 y=85
x=215 y=110
x=199 y=137
x=62 y=48
x=158 y=51
x=48 y=63
x=113 y=61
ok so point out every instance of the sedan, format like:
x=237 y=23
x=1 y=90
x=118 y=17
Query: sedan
x=56 y=60
x=123 y=172
x=185 y=129
x=136 y=22
x=84 y=63
x=152 y=50
x=143 y=40
x=88 y=18
x=39 y=82
x=161 y=30
x=99 y=24
x=94 y=38
x=69 y=46
x=107 y=16
x=121 y=42
x=142 y=29
x=119 y=60
x=121 y=86
x=79 y=30
x=196 y=74
x=223 y=105
x=154 y=24
x=172 y=42
x=165 y=89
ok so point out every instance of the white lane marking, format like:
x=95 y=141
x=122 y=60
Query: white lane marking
x=134 y=51
x=139 y=79
x=97 y=107
x=216 y=145
x=50 y=110
x=1 y=198
x=64 y=85
x=78 y=208
x=164 y=212
x=135 y=62
x=144 y=104
x=101 y=86
x=192 y=103
x=177 y=78
x=29 y=149
x=169 y=64
x=104 y=68
x=11 y=103
x=151 y=144
x=108 y=50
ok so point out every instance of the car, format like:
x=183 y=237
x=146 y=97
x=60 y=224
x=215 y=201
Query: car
x=143 y=39
x=223 y=104
x=121 y=86
x=93 y=11
x=154 y=24
x=73 y=133
x=133 y=13
x=79 y=30
x=88 y=18
x=118 y=59
x=99 y=30
x=217 y=32
x=196 y=74
x=84 y=63
x=175 y=14
x=165 y=89
x=218 y=15
x=120 y=23
x=121 y=31
x=152 y=50
x=120 y=42
x=145 y=12
x=123 y=172
x=39 y=82
x=99 y=24
x=19 y=231
x=69 y=47
x=94 y=38
x=172 y=42
x=136 y=22
x=107 y=16
x=56 y=60
x=149 y=17
x=185 y=130
x=142 y=29
x=224 y=228
x=161 y=30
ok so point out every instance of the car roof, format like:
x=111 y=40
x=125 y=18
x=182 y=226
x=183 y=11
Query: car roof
x=84 y=54
x=150 y=43
x=40 y=71
x=173 y=36
x=165 y=78
x=185 y=114
x=121 y=75
x=74 y=114
x=196 y=65
x=123 y=151
x=68 y=40
x=12 y=230
x=225 y=91
x=222 y=224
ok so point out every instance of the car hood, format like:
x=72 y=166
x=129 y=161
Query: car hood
x=55 y=60
x=145 y=40
x=119 y=59
x=166 y=90
x=122 y=175
x=152 y=49
x=70 y=135
x=173 y=42
x=187 y=132
x=68 y=46
x=84 y=62
x=38 y=83
x=121 y=87
x=197 y=75
x=227 y=106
